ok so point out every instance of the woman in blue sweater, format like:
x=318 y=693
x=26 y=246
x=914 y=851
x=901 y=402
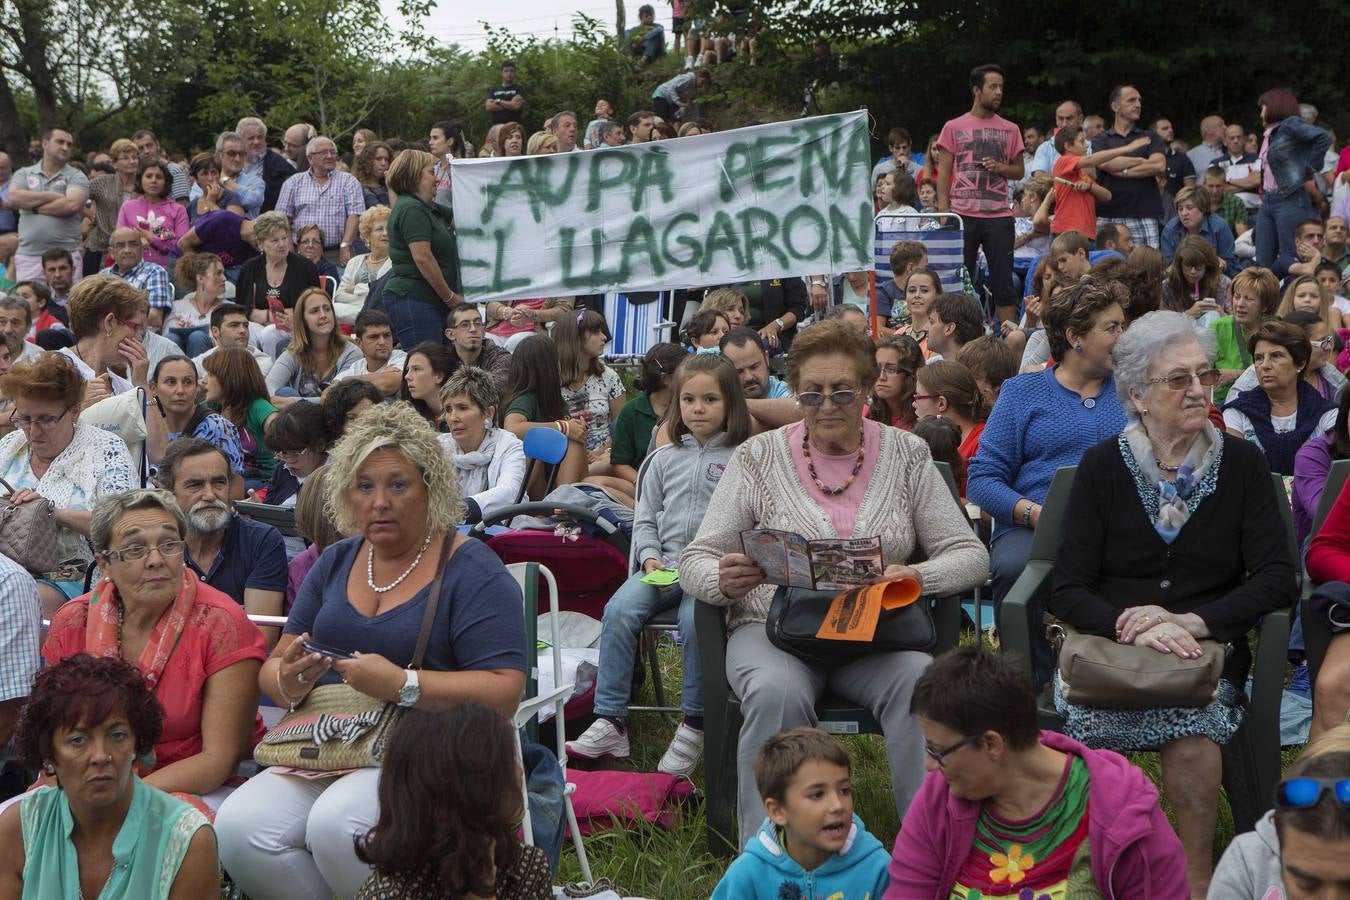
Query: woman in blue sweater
x=1045 y=420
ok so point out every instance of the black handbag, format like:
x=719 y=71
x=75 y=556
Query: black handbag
x=796 y=615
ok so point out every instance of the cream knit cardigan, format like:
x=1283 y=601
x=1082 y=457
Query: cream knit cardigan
x=906 y=502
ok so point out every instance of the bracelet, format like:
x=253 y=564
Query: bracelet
x=1026 y=514
x=562 y=426
x=285 y=697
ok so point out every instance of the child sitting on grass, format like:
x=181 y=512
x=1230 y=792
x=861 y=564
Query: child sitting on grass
x=811 y=844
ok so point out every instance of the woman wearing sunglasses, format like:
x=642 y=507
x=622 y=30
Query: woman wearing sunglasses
x=831 y=475
x=1315 y=794
x=1172 y=535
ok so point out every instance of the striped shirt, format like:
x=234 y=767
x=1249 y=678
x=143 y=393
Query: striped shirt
x=305 y=202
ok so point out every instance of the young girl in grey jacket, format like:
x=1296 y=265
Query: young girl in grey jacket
x=708 y=418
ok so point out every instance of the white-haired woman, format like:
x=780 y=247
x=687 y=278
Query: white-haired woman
x=1214 y=561
x=365 y=268
x=388 y=483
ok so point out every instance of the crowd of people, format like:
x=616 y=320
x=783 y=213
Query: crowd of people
x=180 y=334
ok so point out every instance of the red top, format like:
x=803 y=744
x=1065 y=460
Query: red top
x=1329 y=553
x=216 y=635
x=971 y=444
x=1074 y=210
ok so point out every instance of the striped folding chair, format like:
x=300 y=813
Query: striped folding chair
x=637 y=321
x=941 y=233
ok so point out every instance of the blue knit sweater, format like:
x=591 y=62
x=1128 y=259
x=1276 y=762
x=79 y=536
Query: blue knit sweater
x=1037 y=426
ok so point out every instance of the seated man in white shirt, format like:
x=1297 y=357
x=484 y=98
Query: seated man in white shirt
x=380 y=364
x=230 y=329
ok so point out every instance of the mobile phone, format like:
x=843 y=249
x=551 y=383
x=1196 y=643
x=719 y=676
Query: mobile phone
x=325 y=650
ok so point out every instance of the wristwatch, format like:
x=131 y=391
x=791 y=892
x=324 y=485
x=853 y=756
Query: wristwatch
x=411 y=692
x=780 y=323
x=344 y=245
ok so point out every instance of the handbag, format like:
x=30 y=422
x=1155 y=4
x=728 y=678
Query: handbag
x=29 y=534
x=336 y=727
x=1102 y=673
x=797 y=614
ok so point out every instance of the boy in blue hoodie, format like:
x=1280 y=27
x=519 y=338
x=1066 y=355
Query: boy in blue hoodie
x=811 y=845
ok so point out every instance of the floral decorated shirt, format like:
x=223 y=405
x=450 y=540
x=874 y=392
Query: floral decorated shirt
x=1041 y=858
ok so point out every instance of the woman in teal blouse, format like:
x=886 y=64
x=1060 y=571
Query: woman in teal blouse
x=97 y=830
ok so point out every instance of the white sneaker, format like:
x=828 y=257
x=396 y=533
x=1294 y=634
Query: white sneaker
x=602 y=739
x=683 y=753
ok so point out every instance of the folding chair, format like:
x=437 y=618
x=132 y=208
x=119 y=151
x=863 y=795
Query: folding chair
x=637 y=321
x=1251 y=760
x=546 y=446
x=943 y=238
x=528 y=575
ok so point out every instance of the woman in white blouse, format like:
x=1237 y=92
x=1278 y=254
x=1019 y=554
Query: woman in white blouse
x=364 y=268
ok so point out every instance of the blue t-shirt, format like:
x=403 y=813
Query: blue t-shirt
x=480 y=622
x=253 y=555
x=778 y=389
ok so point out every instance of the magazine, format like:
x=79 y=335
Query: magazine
x=832 y=564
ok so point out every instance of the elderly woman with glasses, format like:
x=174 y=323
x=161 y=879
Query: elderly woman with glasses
x=195 y=645
x=1006 y=803
x=1214 y=561
x=54 y=458
x=106 y=316
x=832 y=475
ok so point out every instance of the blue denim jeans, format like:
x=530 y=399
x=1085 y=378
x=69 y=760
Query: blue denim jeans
x=544 y=784
x=1275 y=223
x=631 y=605
x=414 y=321
x=193 y=341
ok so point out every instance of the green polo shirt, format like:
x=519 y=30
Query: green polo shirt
x=416 y=220
x=633 y=432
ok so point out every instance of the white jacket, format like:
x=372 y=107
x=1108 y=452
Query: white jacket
x=505 y=471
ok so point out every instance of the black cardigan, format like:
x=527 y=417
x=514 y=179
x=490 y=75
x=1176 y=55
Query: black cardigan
x=251 y=287
x=1230 y=563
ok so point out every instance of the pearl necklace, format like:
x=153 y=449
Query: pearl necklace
x=370 y=568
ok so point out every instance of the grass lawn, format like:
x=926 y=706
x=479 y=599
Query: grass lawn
x=662 y=865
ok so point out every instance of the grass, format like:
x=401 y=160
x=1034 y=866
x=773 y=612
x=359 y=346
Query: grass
x=656 y=863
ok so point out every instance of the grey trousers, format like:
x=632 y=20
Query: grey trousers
x=778 y=691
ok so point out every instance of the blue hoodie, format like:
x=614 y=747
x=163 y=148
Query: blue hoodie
x=764 y=870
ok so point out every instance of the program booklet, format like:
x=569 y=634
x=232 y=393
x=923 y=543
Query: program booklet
x=835 y=564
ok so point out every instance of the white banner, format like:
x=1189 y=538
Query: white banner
x=770 y=201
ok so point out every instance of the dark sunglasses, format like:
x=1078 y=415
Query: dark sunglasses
x=1304 y=793
x=816 y=398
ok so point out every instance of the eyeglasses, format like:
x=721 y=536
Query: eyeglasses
x=1325 y=343
x=311 y=242
x=940 y=756
x=126 y=245
x=285 y=455
x=1182 y=380
x=41 y=422
x=132 y=554
x=816 y=398
x=472 y=324
x=323 y=153
x=134 y=326
x=889 y=369
x=1305 y=793
x=926 y=396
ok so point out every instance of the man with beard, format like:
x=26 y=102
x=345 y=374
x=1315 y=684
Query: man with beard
x=243 y=558
x=768 y=399
x=979 y=153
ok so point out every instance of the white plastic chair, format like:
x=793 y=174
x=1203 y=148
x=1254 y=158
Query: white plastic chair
x=527 y=575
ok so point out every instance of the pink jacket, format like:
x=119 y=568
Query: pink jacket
x=1135 y=854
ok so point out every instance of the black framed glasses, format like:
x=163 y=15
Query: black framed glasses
x=838 y=398
x=41 y=422
x=1304 y=793
x=1182 y=380
x=132 y=554
x=939 y=756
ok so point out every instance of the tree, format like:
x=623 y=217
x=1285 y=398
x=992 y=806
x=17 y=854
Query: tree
x=84 y=61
